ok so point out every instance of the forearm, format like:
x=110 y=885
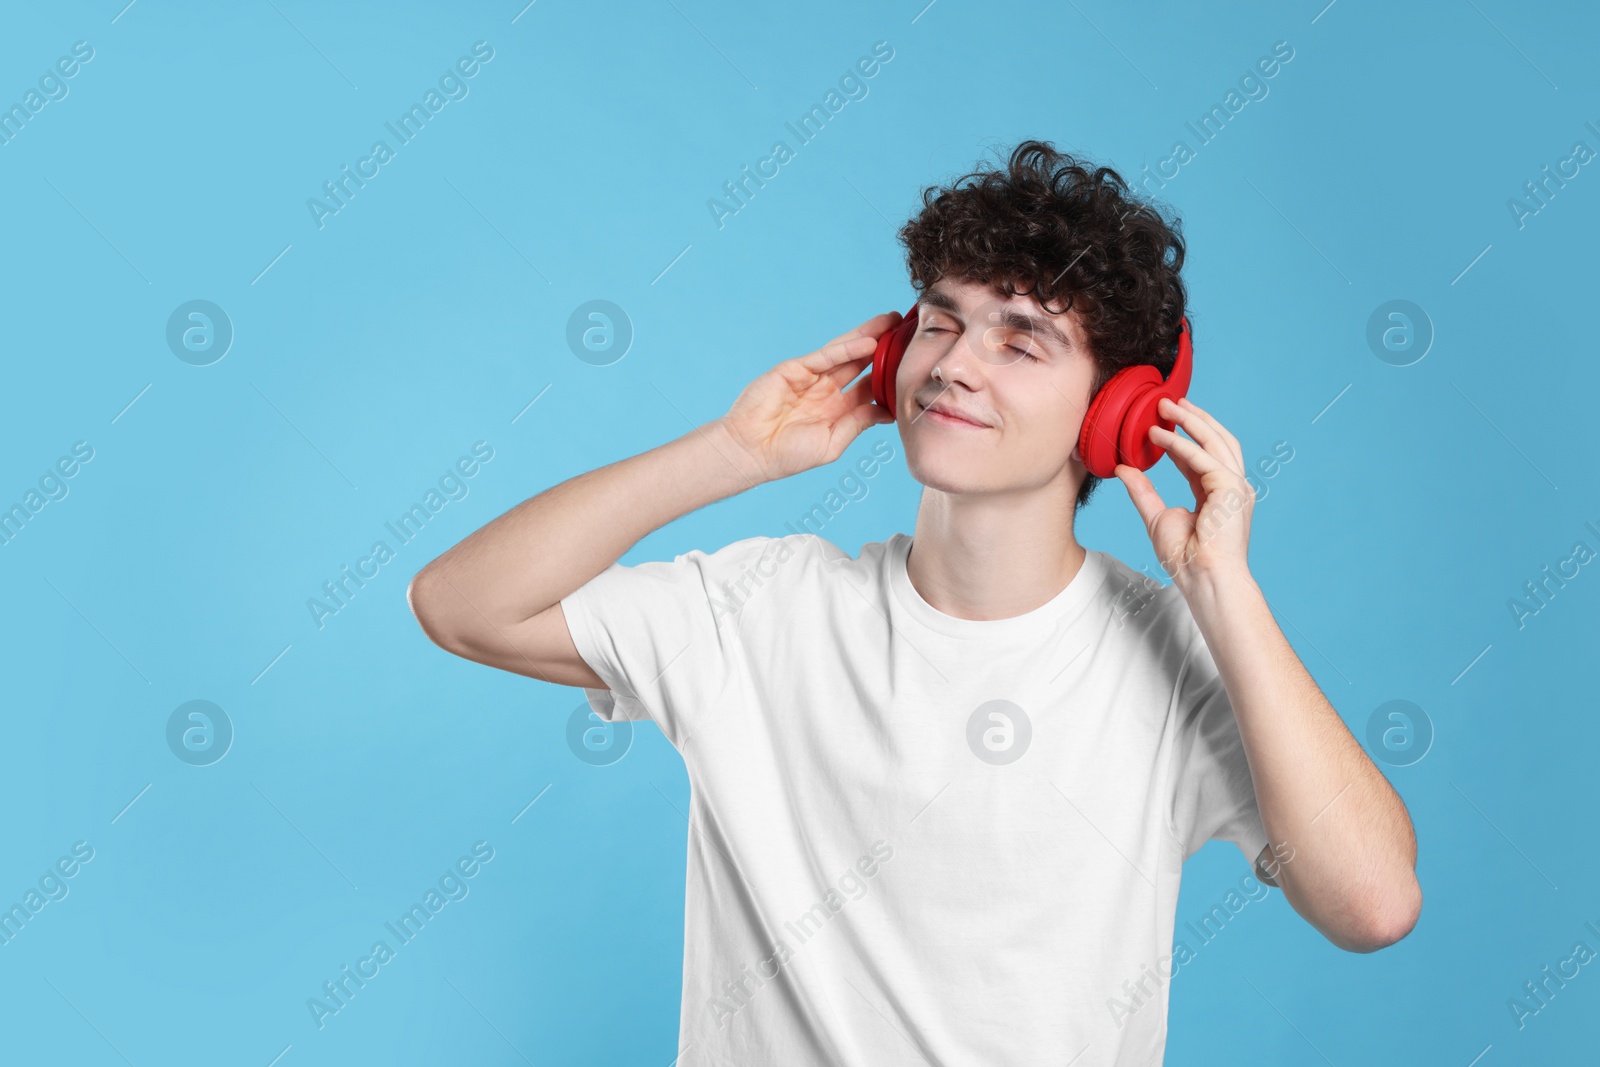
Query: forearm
x=1352 y=872
x=551 y=544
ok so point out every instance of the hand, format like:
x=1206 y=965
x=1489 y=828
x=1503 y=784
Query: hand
x=1214 y=539
x=798 y=415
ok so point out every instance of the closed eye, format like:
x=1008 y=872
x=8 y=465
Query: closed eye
x=1024 y=353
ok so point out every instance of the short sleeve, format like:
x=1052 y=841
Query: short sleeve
x=1213 y=796
x=664 y=637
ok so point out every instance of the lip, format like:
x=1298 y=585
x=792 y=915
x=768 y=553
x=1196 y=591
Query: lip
x=945 y=418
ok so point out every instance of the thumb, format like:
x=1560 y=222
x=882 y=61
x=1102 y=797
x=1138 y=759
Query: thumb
x=1145 y=498
x=861 y=415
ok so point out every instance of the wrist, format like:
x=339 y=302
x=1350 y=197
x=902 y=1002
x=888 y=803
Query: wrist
x=1215 y=584
x=720 y=453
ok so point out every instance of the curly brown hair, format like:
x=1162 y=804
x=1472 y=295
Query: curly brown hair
x=1049 y=226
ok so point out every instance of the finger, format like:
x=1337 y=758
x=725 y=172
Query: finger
x=1145 y=498
x=1221 y=430
x=1205 y=431
x=874 y=327
x=845 y=373
x=1198 y=459
x=839 y=350
x=859 y=396
x=802 y=374
x=1192 y=460
x=861 y=414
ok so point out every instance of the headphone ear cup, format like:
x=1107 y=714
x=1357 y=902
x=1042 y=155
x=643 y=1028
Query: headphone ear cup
x=1116 y=428
x=886 y=360
x=1106 y=424
x=1144 y=409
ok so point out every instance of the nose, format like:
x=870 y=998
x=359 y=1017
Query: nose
x=957 y=363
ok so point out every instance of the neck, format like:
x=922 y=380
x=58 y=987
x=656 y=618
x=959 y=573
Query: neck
x=987 y=556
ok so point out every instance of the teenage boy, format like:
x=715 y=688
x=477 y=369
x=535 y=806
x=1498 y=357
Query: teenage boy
x=942 y=791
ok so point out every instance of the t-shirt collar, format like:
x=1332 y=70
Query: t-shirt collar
x=1061 y=608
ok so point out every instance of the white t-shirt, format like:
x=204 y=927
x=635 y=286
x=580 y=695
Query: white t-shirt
x=916 y=838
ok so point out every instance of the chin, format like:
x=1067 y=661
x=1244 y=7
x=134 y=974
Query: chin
x=954 y=469
x=950 y=471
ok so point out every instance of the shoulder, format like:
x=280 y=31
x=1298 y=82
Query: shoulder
x=802 y=546
x=764 y=551
x=801 y=564
x=757 y=562
x=761 y=581
x=796 y=554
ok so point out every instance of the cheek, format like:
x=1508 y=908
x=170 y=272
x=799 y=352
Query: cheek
x=913 y=374
x=904 y=389
x=905 y=376
x=1056 y=437
x=1045 y=425
x=1040 y=410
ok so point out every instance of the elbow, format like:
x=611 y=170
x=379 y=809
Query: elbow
x=1389 y=923
x=422 y=596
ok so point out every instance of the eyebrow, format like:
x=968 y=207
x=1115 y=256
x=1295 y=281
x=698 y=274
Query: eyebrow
x=1010 y=318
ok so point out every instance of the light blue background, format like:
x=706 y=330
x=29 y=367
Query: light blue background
x=429 y=313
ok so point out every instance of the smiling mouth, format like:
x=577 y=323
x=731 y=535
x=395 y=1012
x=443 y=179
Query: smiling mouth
x=935 y=415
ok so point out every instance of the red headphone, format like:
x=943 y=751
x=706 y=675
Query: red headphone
x=1116 y=428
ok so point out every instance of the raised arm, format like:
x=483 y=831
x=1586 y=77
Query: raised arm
x=494 y=598
x=1353 y=876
